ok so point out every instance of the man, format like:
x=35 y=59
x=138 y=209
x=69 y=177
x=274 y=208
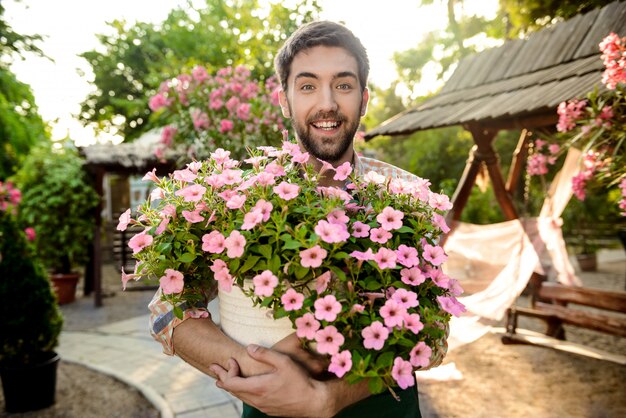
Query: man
x=323 y=71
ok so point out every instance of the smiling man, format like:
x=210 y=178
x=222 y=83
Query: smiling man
x=323 y=70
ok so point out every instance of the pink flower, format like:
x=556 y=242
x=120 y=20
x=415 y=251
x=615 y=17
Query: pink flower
x=265 y=208
x=265 y=283
x=338 y=217
x=439 y=278
x=127 y=277
x=235 y=244
x=363 y=256
x=390 y=219
x=226 y=125
x=286 y=191
x=191 y=193
x=327 y=308
x=451 y=305
x=163 y=225
x=275 y=169
x=328 y=340
x=213 y=242
x=420 y=355
x=343 y=171
x=412 y=276
x=340 y=363
x=30 y=233
x=236 y=201
x=251 y=219
x=375 y=335
x=172 y=282
x=312 y=257
x=140 y=241
x=331 y=233
x=439 y=201
x=200 y=119
x=224 y=280
x=385 y=258
x=167 y=135
x=360 y=230
x=402 y=372
x=407 y=256
x=192 y=216
x=306 y=326
x=124 y=220
x=243 y=111
x=405 y=298
x=321 y=283
x=199 y=74
x=455 y=287
x=292 y=300
x=380 y=235
x=412 y=322
x=157 y=102
x=151 y=176
x=434 y=254
x=185 y=175
x=440 y=222
x=393 y=313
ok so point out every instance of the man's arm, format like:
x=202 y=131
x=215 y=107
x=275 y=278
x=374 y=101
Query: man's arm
x=287 y=390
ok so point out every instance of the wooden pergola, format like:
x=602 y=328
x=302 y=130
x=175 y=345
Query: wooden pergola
x=516 y=86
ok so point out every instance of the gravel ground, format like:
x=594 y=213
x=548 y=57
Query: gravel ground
x=498 y=380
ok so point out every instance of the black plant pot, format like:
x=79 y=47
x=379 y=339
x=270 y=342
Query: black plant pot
x=30 y=387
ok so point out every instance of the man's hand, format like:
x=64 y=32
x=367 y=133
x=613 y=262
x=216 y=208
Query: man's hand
x=314 y=363
x=287 y=390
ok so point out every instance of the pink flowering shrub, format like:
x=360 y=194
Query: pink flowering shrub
x=229 y=110
x=596 y=125
x=357 y=271
x=10 y=198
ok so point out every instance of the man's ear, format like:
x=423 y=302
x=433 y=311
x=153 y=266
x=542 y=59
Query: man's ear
x=284 y=105
x=364 y=100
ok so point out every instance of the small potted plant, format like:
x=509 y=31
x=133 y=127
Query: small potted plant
x=31 y=321
x=58 y=202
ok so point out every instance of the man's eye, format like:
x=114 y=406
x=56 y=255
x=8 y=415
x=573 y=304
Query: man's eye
x=344 y=86
x=306 y=87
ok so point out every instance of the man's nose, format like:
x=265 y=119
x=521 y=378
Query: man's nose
x=328 y=102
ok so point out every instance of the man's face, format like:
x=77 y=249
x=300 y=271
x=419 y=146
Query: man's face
x=324 y=101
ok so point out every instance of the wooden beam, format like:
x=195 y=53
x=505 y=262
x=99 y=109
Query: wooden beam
x=518 y=162
x=464 y=189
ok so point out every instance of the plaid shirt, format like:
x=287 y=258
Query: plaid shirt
x=163 y=321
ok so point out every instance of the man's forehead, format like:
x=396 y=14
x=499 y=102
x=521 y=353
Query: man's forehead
x=324 y=61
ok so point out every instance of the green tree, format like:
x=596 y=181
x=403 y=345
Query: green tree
x=21 y=126
x=135 y=59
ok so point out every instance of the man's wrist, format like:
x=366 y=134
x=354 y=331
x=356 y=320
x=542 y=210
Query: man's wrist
x=328 y=403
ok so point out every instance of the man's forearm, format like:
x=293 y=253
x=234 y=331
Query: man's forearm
x=341 y=394
x=201 y=343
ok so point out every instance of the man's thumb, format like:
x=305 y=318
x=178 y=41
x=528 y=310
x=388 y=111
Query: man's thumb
x=263 y=354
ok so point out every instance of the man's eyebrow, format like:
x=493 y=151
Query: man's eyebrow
x=341 y=74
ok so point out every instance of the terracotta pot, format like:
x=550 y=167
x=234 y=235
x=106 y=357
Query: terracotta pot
x=587 y=262
x=64 y=286
x=30 y=387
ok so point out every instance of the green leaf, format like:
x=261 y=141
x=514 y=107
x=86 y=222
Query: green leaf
x=265 y=251
x=301 y=271
x=267 y=301
x=178 y=312
x=405 y=228
x=251 y=260
x=187 y=258
x=341 y=255
x=373 y=285
x=291 y=245
x=375 y=385
x=385 y=360
x=274 y=263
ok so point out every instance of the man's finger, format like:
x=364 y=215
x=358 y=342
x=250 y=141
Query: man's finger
x=266 y=355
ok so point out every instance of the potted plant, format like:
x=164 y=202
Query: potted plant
x=58 y=202
x=31 y=321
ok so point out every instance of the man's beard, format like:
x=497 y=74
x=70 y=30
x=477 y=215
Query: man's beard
x=317 y=149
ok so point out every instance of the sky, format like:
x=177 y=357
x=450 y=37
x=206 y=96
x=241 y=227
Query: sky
x=70 y=28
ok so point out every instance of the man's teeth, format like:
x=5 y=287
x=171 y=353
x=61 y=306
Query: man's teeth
x=326 y=125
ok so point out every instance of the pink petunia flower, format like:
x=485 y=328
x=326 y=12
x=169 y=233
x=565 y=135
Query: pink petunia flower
x=224 y=279
x=30 y=233
x=124 y=220
x=251 y=219
x=375 y=335
x=306 y=326
x=265 y=208
x=328 y=340
x=434 y=254
x=405 y=298
x=151 y=176
x=385 y=258
x=407 y=256
x=236 y=201
x=331 y=233
x=321 y=283
x=287 y=191
x=235 y=244
x=343 y=171
x=226 y=125
x=312 y=257
x=360 y=230
x=451 y=305
x=162 y=225
x=192 y=216
x=412 y=276
x=140 y=241
x=390 y=219
x=191 y=193
x=172 y=282
x=420 y=355
x=213 y=242
x=327 y=308
x=402 y=373
x=393 y=313
x=412 y=322
x=380 y=235
x=127 y=277
x=440 y=221
x=292 y=300
x=185 y=175
x=363 y=256
x=439 y=201
x=338 y=217
x=439 y=278
x=265 y=283
x=340 y=363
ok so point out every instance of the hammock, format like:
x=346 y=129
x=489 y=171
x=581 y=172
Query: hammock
x=494 y=262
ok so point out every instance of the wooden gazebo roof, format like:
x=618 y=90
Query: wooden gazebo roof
x=520 y=83
x=515 y=86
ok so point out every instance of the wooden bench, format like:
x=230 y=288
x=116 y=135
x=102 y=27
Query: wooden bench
x=557 y=305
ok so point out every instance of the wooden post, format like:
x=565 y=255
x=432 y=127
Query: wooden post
x=517 y=161
x=464 y=189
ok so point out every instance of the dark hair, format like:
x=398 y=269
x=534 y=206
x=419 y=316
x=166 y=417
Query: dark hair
x=321 y=33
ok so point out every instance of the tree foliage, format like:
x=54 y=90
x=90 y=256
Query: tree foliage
x=132 y=62
x=21 y=126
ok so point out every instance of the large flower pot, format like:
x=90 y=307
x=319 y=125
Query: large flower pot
x=64 y=286
x=30 y=387
x=587 y=262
